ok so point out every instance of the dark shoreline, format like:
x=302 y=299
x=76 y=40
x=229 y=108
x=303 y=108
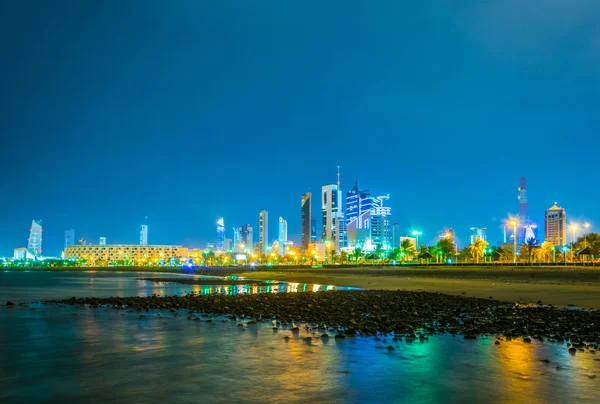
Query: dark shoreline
x=369 y=312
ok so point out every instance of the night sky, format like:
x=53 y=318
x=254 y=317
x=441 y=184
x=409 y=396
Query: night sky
x=184 y=111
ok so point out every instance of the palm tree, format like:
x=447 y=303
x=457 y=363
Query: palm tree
x=334 y=255
x=544 y=253
x=358 y=253
x=344 y=257
x=445 y=247
x=477 y=249
x=407 y=249
x=530 y=245
x=379 y=252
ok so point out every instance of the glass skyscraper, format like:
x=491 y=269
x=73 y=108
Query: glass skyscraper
x=263 y=231
x=368 y=222
x=306 y=221
x=34 y=243
x=220 y=245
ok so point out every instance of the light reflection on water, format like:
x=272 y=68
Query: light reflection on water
x=107 y=355
x=29 y=286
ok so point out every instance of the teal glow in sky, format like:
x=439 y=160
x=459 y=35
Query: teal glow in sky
x=188 y=111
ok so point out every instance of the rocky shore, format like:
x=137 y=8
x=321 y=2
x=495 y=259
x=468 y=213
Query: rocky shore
x=370 y=312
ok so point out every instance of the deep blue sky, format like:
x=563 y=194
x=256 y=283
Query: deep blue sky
x=184 y=111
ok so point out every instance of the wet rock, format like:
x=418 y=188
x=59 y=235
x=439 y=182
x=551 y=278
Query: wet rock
x=10 y=304
x=324 y=336
x=527 y=340
x=401 y=312
x=340 y=336
x=390 y=348
x=572 y=351
x=497 y=342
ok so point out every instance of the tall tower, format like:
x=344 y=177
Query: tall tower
x=144 y=234
x=282 y=236
x=331 y=208
x=246 y=237
x=555 y=225
x=263 y=230
x=341 y=222
x=306 y=220
x=527 y=229
x=34 y=243
x=220 y=245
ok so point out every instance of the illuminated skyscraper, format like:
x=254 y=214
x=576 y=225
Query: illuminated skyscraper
x=144 y=234
x=282 y=236
x=102 y=240
x=246 y=237
x=34 y=244
x=381 y=224
x=306 y=220
x=359 y=207
x=237 y=240
x=220 y=245
x=478 y=232
x=555 y=226
x=368 y=222
x=69 y=238
x=331 y=202
x=263 y=230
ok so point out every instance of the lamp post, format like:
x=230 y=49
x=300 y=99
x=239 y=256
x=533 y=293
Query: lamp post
x=565 y=254
x=586 y=226
x=514 y=224
x=417 y=233
x=573 y=229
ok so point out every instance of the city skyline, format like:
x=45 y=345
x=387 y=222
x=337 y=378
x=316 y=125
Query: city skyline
x=496 y=236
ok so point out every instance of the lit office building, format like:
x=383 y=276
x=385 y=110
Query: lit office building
x=69 y=238
x=246 y=237
x=359 y=206
x=331 y=204
x=282 y=236
x=144 y=234
x=237 y=240
x=263 y=231
x=381 y=225
x=102 y=240
x=368 y=222
x=136 y=254
x=306 y=220
x=34 y=243
x=220 y=245
x=555 y=226
x=242 y=238
x=478 y=232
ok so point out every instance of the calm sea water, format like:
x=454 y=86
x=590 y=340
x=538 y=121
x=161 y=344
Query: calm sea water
x=103 y=355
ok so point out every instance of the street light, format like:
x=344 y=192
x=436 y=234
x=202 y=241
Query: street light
x=573 y=229
x=514 y=224
x=417 y=233
x=587 y=228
